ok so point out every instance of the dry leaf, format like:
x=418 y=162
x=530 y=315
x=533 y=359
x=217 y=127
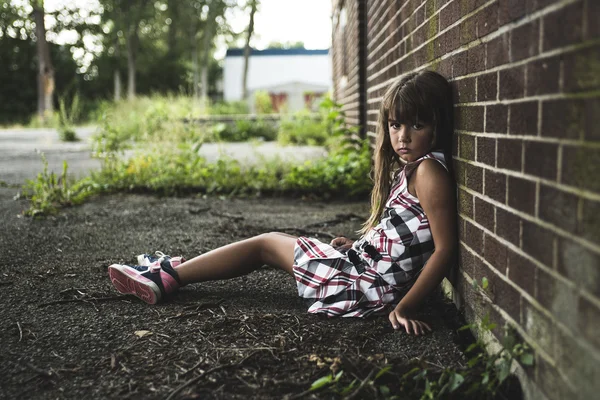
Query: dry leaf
x=141 y=334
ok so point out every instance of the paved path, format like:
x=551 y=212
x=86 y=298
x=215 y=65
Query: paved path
x=20 y=158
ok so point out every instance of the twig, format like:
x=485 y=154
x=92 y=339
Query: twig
x=20 y=331
x=194 y=367
x=99 y=299
x=210 y=371
x=198 y=210
x=362 y=385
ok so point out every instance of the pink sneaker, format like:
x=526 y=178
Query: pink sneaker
x=149 y=283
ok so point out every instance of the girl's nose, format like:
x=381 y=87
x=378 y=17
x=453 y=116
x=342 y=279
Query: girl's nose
x=404 y=134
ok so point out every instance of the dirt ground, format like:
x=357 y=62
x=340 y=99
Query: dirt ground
x=66 y=333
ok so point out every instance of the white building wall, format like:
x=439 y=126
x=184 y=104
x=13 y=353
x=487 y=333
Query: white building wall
x=271 y=70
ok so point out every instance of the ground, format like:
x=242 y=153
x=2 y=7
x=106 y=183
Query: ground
x=67 y=333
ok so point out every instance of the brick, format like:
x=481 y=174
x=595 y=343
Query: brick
x=465 y=90
x=510 y=10
x=465 y=203
x=569 y=17
x=508 y=226
x=521 y=271
x=474 y=178
x=558 y=208
x=543 y=76
x=487 y=87
x=592 y=119
x=476 y=58
x=487 y=20
x=580 y=265
x=545 y=288
x=551 y=383
x=468 y=262
x=467 y=147
x=593 y=28
x=459 y=64
x=474 y=237
x=496 y=118
x=581 y=70
x=467 y=31
x=521 y=194
x=495 y=252
x=590 y=222
x=461 y=229
x=486 y=150
x=495 y=185
x=541 y=159
x=450 y=14
x=539 y=327
x=507 y=298
x=484 y=213
x=512 y=83
x=460 y=171
x=564 y=118
x=469 y=118
x=523 y=118
x=581 y=167
x=497 y=51
x=450 y=40
x=576 y=363
x=564 y=303
x=589 y=321
x=509 y=154
x=524 y=41
x=538 y=242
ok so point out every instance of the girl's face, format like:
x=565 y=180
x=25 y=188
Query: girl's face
x=410 y=141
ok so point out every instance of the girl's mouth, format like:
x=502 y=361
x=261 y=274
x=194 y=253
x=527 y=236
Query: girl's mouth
x=403 y=150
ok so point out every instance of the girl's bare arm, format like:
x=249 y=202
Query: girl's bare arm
x=433 y=187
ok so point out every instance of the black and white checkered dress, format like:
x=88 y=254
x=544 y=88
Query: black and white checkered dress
x=379 y=268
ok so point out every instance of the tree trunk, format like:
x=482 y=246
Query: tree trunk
x=253 y=5
x=45 y=68
x=208 y=35
x=117 y=72
x=195 y=66
x=132 y=39
x=172 y=38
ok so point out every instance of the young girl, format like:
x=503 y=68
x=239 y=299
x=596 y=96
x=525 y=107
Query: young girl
x=407 y=244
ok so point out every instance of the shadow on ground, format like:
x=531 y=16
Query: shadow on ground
x=67 y=334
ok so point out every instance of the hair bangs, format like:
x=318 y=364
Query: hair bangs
x=408 y=105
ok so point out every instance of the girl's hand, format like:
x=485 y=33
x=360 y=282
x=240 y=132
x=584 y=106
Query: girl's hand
x=399 y=319
x=341 y=243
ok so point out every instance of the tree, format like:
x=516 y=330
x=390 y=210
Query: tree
x=286 y=45
x=45 y=68
x=253 y=4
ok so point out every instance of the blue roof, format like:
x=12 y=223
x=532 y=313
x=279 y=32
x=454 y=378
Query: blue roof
x=276 y=52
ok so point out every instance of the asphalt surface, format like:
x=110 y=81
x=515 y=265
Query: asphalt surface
x=20 y=149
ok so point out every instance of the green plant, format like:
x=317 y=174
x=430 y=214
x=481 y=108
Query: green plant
x=67 y=119
x=262 y=102
x=48 y=192
x=304 y=128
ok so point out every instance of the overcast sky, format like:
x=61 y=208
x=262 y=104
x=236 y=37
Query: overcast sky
x=308 y=21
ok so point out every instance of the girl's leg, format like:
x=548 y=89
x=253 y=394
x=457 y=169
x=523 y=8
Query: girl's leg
x=240 y=258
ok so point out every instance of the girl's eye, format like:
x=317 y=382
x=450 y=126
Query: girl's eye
x=395 y=125
x=417 y=127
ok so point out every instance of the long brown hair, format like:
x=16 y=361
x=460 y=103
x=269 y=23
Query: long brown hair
x=424 y=97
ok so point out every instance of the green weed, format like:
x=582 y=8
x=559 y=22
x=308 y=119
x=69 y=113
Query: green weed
x=48 y=192
x=67 y=119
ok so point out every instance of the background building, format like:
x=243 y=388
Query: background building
x=292 y=77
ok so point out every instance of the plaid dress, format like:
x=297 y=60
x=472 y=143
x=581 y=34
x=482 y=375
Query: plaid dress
x=379 y=268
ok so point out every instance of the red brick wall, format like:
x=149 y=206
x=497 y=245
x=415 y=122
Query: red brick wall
x=527 y=157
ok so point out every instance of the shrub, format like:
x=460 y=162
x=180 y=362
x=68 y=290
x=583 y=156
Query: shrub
x=303 y=128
